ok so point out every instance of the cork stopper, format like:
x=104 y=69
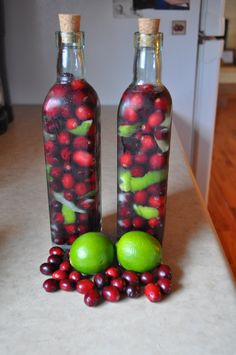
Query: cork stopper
x=69 y=22
x=148 y=25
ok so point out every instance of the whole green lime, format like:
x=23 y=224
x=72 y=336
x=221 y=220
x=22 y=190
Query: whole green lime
x=138 y=251
x=92 y=252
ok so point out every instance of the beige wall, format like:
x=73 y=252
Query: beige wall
x=230 y=14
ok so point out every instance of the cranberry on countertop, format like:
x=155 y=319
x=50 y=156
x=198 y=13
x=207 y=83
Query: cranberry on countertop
x=48 y=268
x=131 y=277
x=133 y=291
x=51 y=285
x=152 y=292
x=92 y=298
x=111 y=294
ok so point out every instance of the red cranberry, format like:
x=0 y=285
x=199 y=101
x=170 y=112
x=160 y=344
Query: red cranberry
x=47 y=268
x=153 y=222
x=125 y=212
x=51 y=285
x=81 y=189
x=83 y=286
x=146 y=128
x=66 y=111
x=130 y=115
x=148 y=143
x=78 y=84
x=138 y=222
x=63 y=138
x=49 y=146
x=136 y=101
x=81 y=142
x=155 y=119
x=157 y=161
x=156 y=201
x=71 y=228
x=161 y=103
x=101 y=280
x=111 y=294
x=131 y=277
x=83 y=158
x=137 y=171
x=84 y=113
x=147 y=87
x=113 y=272
x=71 y=123
x=56 y=251
x=67 y=181
x=133 y=291
x=140 y=158
x=83 y=228
x=65 y=266
x=55 y=259
x=56 y=172
x=162 y=271
x=152 y=292
x=124 y=223
x=78 y=97
x=146 y=278
x=59 y=218
x=65 y=153
x=162 y=133
x=119 y=283
x=165 y=285
x=126 y=160
x=153 y=189
x=140 y=197
x=60 y=240
x=71 y=239
x=75 y=276
x=67 y=285
x=59 y=90
x=69 y=195
x=92 y=298
x=59 y=275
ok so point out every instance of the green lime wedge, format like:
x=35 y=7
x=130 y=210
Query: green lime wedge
x=146 y=212
x=128 y=183
x=127 y=130
x=60 y=198
x=166 y=123
x=48 y=170
x=82 y=129
x=163 y=145
x=68 y=214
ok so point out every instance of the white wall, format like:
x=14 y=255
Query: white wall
x=31 y=51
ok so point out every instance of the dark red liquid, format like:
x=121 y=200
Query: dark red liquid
x=71 y=129
x=144 y=124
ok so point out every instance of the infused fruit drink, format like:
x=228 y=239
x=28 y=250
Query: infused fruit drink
x=144 y=124
x=71 y=130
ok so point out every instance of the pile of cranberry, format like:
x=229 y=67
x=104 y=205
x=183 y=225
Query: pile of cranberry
x=112 y=285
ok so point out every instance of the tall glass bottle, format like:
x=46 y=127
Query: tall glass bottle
x=71 y=129
x=144 y=124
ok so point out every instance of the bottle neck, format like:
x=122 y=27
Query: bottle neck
x=147 y=61
x=70 y=58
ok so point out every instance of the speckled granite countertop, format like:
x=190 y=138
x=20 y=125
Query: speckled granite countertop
x=198 y=318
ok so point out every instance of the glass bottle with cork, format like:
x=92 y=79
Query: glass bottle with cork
x=71 y=130
x=144 y=127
